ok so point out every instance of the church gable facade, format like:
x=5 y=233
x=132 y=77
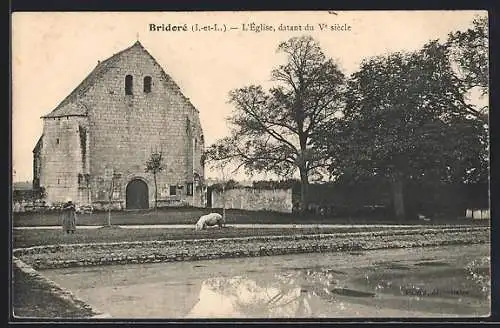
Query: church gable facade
x=95 y=144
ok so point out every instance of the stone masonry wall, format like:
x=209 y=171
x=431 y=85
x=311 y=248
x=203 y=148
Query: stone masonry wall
x=78 y=255
x=125 y=129
x=279 y=200
x=61 y=158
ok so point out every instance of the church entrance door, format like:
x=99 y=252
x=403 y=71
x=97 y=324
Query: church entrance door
x=137 y=195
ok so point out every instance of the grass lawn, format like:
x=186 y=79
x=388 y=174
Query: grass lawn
x=190 y=216
x=27 y=238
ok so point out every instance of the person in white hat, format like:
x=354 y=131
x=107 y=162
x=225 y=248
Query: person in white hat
x=69 y=216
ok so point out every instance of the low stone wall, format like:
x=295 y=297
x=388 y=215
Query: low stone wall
x=277 y=200
x=57 y=291
x=77 y=255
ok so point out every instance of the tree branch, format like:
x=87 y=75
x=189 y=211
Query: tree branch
x=270 y=131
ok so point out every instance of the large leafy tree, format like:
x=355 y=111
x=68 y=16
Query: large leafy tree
x=404 y=121
x=274 y=131
x=468 y=52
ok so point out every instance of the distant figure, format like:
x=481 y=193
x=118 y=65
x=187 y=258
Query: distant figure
x=69 y=217
x=209 y=220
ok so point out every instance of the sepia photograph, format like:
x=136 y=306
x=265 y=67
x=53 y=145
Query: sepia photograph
x=250 y=165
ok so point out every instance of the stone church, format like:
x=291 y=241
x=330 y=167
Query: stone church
x=96 y=142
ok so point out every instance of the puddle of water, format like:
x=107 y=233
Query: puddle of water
x=394 y=266
x=352 y=292
x=305 y=285
x=432 y=263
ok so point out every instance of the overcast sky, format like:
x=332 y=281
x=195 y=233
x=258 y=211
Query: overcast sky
x=53 y=52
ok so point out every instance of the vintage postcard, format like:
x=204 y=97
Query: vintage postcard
x=286 y=164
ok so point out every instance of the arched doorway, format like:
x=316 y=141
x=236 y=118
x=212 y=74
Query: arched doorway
x=137 y=194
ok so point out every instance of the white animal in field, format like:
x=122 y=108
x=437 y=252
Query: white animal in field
x=209 y=220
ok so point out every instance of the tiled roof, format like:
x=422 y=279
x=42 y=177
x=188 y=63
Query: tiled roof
x=38 y=144
x=22 y=185
x=78 y=108
x=70 y=105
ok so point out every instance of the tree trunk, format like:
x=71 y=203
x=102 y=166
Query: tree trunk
x=304 y=190
x=223 y=203
x=110 y=199
x=88 y=192
x=156 y=192
x=398 y=198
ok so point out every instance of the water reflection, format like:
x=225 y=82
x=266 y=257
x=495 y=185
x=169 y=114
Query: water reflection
x=438 y=282
x=386 y=289
x=243 y=297
x=307 y=292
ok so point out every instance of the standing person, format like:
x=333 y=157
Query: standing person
x=69 y=217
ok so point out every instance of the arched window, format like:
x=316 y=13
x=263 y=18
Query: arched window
x=128 y=84
x=147 y=84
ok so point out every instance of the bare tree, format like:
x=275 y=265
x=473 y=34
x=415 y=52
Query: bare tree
x=275 y=131
x=155 y=165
